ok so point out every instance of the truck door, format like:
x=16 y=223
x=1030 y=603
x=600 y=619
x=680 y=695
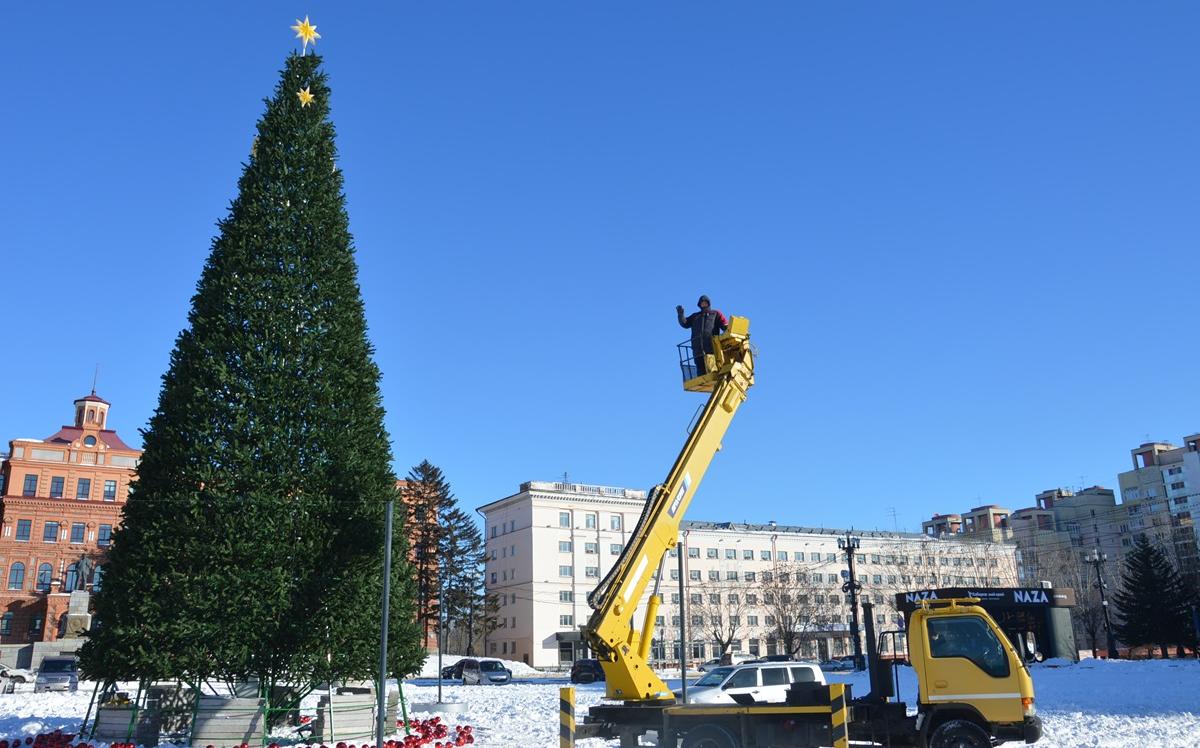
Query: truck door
x=969 y=664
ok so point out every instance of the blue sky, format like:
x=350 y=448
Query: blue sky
x=965 y=234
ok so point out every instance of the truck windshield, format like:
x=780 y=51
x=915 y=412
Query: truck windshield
x=714 y=677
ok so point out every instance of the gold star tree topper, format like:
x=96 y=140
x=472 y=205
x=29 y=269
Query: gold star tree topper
x=306 y=96
x=307 y=32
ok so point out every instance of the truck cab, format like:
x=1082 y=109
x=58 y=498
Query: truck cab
x=971 y=680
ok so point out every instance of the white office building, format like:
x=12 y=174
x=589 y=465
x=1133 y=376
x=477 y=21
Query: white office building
x=744 y=586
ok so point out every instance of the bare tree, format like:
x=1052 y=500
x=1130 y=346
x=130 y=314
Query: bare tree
x=721 y=613
x=794 y=598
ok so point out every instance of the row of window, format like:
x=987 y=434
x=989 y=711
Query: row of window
x=862 y=558
x=566 y=546
x=6 y=625
x=591 y=520
x=83 y=487
x=50 y=532
x=45 y=575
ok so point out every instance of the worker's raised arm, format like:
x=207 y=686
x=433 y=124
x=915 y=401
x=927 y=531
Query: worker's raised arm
x=683 y=321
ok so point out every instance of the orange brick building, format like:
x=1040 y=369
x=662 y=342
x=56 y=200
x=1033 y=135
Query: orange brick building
x=61 y=499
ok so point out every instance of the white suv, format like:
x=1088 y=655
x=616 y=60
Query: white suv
x=762 y=681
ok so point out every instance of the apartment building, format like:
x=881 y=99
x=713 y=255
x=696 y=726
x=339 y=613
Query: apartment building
x=61 y=499
x=734 y=587
x=1165 y=480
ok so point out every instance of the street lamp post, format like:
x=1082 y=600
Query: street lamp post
x=849 y=545
x=1097 y=559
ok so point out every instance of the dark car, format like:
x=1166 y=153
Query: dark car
x=453 y=672
x=485 y=672
x=586 y=671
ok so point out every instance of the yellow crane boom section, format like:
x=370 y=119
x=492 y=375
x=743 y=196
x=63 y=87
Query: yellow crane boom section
x=622 y=649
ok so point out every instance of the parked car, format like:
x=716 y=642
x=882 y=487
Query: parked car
x=16 y=674
x=735 y=658
x=762 y=682
x=485 y=672
x=60 y=673
x=586 y=671
x=453 y=672
x=838 y=664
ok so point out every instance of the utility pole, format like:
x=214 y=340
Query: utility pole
x=683 y=631
x=849 y=544
x=381 y=694
x=1097 y=559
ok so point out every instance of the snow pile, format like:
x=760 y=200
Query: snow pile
x=430 y=668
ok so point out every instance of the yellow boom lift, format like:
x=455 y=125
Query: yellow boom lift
x=973 y=687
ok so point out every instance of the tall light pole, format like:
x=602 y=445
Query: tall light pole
x=849 y=546
x=1097 y=559
x=381 y=695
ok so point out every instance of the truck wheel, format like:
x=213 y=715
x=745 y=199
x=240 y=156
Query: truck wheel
x=709 y=736
x=959 y=733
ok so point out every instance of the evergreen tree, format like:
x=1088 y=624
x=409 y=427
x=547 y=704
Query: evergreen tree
x=463 y=558
x=251 y=543
x=1153 y=604
x=428 y=497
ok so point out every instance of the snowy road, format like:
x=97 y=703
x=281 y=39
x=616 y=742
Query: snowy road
x=1154 y=704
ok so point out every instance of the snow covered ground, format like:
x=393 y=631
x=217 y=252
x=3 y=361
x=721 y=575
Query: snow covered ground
x=1093 y=704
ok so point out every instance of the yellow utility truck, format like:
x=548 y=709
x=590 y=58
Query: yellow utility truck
x=973 y=687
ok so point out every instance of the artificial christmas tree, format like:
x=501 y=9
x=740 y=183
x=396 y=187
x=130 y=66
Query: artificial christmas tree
x=252 y=540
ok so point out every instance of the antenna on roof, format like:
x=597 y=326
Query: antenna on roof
x=95 y=376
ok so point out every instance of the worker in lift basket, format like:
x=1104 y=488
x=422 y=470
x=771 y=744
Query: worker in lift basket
x=704 y=324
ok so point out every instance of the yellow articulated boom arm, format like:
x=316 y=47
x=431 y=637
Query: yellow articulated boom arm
x=622 y=649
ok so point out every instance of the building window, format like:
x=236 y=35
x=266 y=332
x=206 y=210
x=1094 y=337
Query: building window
x=798 y=556
x=674 y=575
x=24 y=529
x=56 y=486
x=566 y=571
x=72 y=581
x=591 y=548
x=731 y=576
x=78 y=530
x=566 y=620
x=592 y=572
x=110 y=490
x=589 y=521
x=748 y=554
x=104 y=536
x=695 y=598
x=764 y=555
x=43 y=578
x=6 y=624
x=566 y=596
x=781 y=555
x=876 y=579
x=714 y=575
x=30 y=486
x=83 y=487
x=615 y=548
x=614 y=522
x=50 y=533
x=711 y=553
x=564 y=519
x=731 y=553
x=1177 y=485
x=564 y=546
x=693 y=553
x=16 y=576
x=750 y=576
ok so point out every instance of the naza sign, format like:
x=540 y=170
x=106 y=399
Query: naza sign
x=1030 y=596
x=912 y=597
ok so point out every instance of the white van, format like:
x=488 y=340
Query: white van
x=762 y=681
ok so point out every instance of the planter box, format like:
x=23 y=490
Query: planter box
x=112 y=725
x=224 y=722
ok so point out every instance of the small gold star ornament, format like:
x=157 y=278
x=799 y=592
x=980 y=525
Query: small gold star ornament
x=307 y=32
x=305 y=96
